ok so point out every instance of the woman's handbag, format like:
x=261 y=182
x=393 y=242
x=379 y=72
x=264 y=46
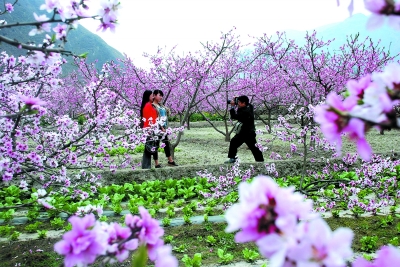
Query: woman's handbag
x=152 y=145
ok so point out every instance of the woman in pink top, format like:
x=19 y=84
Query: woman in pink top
x=148 y=115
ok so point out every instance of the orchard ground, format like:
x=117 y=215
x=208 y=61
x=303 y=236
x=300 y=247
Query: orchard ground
x=204 y=146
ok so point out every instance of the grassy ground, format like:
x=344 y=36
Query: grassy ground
x=205 y=146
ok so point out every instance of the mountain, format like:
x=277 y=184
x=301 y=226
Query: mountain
x=355 y=24
x=79 y=40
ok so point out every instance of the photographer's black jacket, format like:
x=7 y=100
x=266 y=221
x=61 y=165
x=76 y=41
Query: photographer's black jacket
x=246 y=116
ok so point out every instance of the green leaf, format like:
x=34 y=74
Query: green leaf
x=196 y=260
x=187 y=261
x=220 y=253
x=84 y=55
x=139 y=259
x=128 y=187
x=32 y=112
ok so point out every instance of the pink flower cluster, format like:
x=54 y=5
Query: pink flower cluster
x=271 y=216
x=371 y=100
x=72 y=11
x=9 y=7
x=90 y=239
x=282 y=225
x=225 y=183
x=382 y=10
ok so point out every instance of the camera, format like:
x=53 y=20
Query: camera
x=235 y=99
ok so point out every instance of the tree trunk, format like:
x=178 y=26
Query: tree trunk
x=313 y=134
x=303 y=171
x=188 y=122
x=269 y=121
x=227 y=133
x=172 y=149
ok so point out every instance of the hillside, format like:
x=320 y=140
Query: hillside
x=80 y=40
x=356 y=24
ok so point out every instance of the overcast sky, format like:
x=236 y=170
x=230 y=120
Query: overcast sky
x=145 y=25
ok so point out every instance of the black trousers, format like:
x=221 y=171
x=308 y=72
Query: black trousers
x=146 y=159
x=250 y=140
x=167 y=148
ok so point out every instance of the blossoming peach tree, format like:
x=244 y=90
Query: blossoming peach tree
x=40 y=147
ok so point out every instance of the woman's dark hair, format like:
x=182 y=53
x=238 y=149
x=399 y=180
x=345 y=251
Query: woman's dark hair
x=156 y=92
x=145 y=99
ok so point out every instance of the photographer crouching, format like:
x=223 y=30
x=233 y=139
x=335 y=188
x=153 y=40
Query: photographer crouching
x=245 y=129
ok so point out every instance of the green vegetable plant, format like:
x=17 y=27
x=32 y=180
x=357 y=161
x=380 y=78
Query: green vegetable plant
x=357 y=211
x=170 y=213
x=394 y=241
x=162 y=202
x=166 y=221
x=14 y=236
x=103 y=218
x=42 y=234
x=186 y=219
x=57 y=223
x=181 y=249
x=168 y=239
x=368 y=257
x=393 y=209
x=335 y=213
x=208 y=210
x=211 y=240
x=224 y=258
x=33 y=227
x=68 y=227
x=180 y=203
x=7 y=215
x=192 y=262
x=250 y=255
x=5 y=230
x=152 y=212
x=187 y=210
x=117 y=208
x=368 y=243
x=33 y=214
x=133 y=209
x=117 y=198
x=212 y=203
x=193 y=205
x=385 y=222
x=187 y=193
x=52 y=213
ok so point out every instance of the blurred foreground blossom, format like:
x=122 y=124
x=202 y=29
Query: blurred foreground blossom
x=90 y=239
x=83 y=243
x=387 y=256
x=282 y=225
x=32 y=101
x=370 y=102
